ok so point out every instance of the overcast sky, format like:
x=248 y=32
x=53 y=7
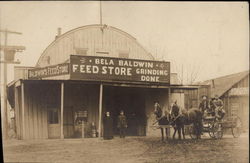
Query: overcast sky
x=208 y=38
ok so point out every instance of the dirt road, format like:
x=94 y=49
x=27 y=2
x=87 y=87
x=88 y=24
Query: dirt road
x=128 y=150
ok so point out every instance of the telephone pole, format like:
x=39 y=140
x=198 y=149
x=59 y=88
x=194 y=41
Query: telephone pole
x=7 y=55
x=100 y=12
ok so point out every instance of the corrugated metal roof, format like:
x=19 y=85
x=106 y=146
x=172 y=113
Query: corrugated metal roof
x=222 y=84
x=92 y=38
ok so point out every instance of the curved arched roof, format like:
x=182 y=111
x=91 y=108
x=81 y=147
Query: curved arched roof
x=89 y=37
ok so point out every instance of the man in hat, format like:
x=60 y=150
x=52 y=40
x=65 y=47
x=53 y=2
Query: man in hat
x=175 y=110
x=204 y=105
x=218 y=107
x=122 y=124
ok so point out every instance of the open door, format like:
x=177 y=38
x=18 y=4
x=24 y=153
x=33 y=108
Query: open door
x=132 y=102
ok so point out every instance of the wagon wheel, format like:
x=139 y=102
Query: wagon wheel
x=237 y=127
x=192 y=132
x=211 y=134
x=217 y=130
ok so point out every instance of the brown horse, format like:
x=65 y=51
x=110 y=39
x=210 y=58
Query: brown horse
x=187 y=117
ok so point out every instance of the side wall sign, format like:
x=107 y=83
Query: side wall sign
x=118 y=69
x=56 y=70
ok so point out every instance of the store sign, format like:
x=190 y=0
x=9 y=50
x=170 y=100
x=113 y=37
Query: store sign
x=118 y=69
x=56 y=70
x=239 y=91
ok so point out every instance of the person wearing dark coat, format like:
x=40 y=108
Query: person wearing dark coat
x=122 y=124
x=107 y=127
x=204 y=105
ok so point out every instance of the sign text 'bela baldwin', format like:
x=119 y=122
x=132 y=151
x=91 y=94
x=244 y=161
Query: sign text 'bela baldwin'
x=117 y=69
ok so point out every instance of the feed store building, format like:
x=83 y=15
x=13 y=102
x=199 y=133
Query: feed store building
x=85 y=72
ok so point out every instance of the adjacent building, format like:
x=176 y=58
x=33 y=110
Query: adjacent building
x=234 y=91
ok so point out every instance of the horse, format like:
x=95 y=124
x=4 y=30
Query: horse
x=187 y=117
x=162 y=120
x=177 y=121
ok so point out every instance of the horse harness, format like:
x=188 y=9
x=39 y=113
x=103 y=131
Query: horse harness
x=175 y=118
x=179 y=116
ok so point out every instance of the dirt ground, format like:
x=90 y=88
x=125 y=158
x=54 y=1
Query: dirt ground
x=129 y=150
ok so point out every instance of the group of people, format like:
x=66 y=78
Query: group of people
x=209 y=108
x=212 y=107
x=108 y=125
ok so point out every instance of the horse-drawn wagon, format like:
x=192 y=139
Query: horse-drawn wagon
x=215 y=128
x=193 y=122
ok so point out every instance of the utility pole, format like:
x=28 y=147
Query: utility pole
x=100 y=12
x=182 y=74
x=7 y=54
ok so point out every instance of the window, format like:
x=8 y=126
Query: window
x=123 y=55
x=53 y=116
x=102 y=53
x=46 y=59
x=81 y=51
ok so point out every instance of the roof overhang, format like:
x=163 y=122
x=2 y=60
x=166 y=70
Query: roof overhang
x=105 y=83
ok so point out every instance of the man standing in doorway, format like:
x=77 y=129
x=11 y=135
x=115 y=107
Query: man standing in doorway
x=122 y=124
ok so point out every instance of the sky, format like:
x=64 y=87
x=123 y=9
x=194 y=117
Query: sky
x=202 y=39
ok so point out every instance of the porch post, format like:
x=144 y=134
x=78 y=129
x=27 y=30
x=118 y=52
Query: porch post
x=23 y=120
x=169 y=98
x=198 y=97
x=16 y=113
x=100 y=111
x=228 y=106
x=62 y=102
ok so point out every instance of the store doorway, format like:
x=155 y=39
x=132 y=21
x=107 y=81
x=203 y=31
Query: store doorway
x=53 y=123
x=132 y=102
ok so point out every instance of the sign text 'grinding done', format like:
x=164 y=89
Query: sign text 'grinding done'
x=119 y=69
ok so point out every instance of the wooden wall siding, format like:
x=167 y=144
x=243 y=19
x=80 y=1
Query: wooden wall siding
x=204 y=90
x=242 y=100
x=242 y=83
x=36 y=104
x=231 y=102
x=92 y=38
x=191 y=98
x=42 y=102
x=18 y=112
x=21 y=113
